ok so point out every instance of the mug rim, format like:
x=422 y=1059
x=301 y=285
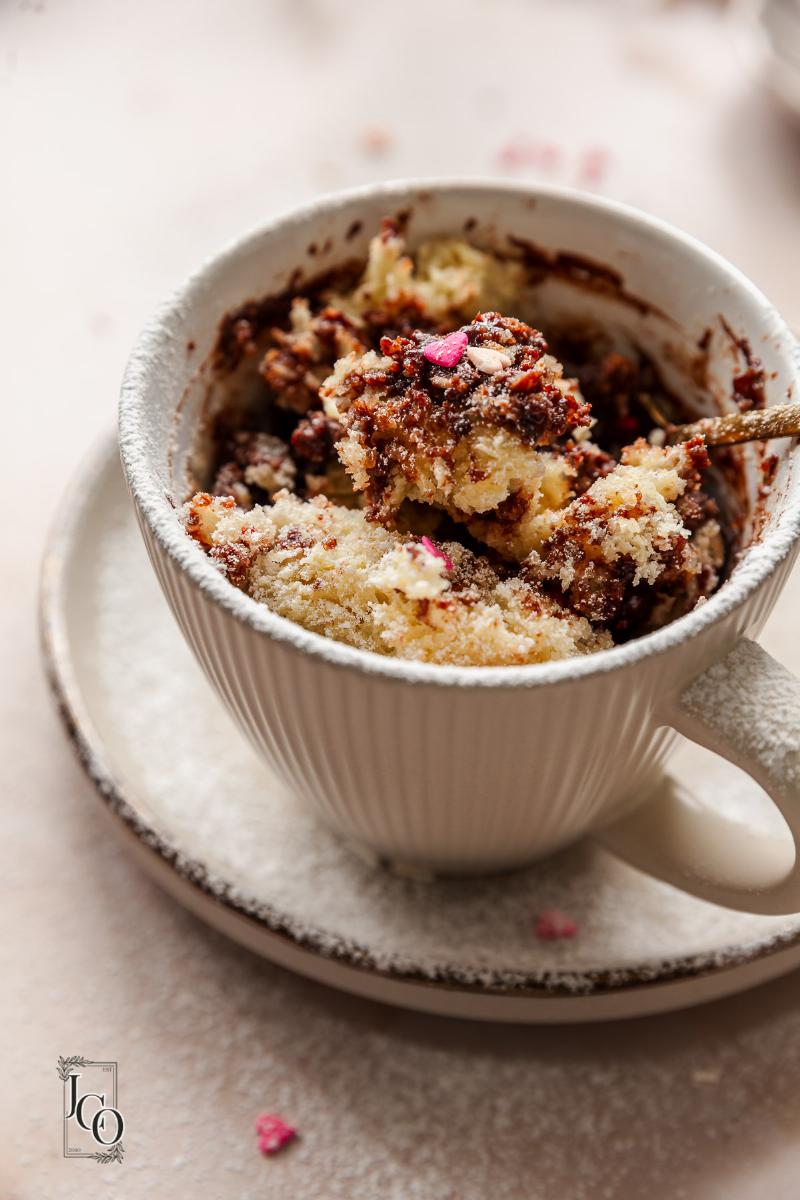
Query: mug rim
x=756 y=566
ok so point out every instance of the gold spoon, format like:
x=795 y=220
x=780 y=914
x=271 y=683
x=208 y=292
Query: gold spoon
x=782 y=420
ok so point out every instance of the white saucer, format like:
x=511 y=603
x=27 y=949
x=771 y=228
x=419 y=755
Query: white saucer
x=212 y=825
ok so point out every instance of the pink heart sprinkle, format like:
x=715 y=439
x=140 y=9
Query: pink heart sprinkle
x=273 y=1133
x=446 y=351
x=433 y=549
x=552 y=924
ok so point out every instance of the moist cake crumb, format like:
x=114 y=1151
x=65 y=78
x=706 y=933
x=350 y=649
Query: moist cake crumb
x=332 y=570
x=427 y=479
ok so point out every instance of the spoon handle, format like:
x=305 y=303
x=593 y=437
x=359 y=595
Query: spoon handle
x=783 y=420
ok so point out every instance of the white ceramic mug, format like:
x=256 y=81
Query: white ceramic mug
x=458 y=769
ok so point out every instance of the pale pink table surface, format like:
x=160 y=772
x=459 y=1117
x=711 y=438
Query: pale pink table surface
x=135 y=138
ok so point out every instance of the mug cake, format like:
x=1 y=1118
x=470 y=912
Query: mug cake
x=423 y=473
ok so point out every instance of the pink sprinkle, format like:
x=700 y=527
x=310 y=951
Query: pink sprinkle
x=527 y=152
x=273 y=1133
x=509 y=155
x=552 y=924
x=446 y=351
x=594 y=164
x=433 y=549
x=549 y=156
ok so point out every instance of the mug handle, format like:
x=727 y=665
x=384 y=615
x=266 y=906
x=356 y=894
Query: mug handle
x=746 y=707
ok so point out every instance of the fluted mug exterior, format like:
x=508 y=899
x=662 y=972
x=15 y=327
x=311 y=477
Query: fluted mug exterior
x=468 y=770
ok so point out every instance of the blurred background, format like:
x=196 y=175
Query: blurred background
x=135 y=138
x=139 y=137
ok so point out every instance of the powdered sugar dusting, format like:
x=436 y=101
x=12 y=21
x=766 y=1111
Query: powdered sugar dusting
x=754 y=702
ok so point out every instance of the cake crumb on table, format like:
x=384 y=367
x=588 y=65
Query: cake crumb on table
x=273 y=1133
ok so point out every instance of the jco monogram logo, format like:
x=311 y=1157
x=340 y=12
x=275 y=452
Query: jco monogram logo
x=91 y=1115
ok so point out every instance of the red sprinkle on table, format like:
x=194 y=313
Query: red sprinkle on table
x=273 y=1133
x=433 y=549
x=552 y=924
x=446 y=351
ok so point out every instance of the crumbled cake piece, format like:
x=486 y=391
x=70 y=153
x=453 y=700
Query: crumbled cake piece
x=229 y=481
x=521 y=523
x=681 y=586
x=267 y=463
x=450 y=492
x=446 y=282
x=314 y=437
x=333 y=482
x=627 y=530
x=256 y=460
x=450 y=280
x=301 y=357
x=333 y=571
x=465 y=438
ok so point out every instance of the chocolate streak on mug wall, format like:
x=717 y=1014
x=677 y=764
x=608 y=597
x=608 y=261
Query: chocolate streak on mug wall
x=749 y=386
x=582 y=272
